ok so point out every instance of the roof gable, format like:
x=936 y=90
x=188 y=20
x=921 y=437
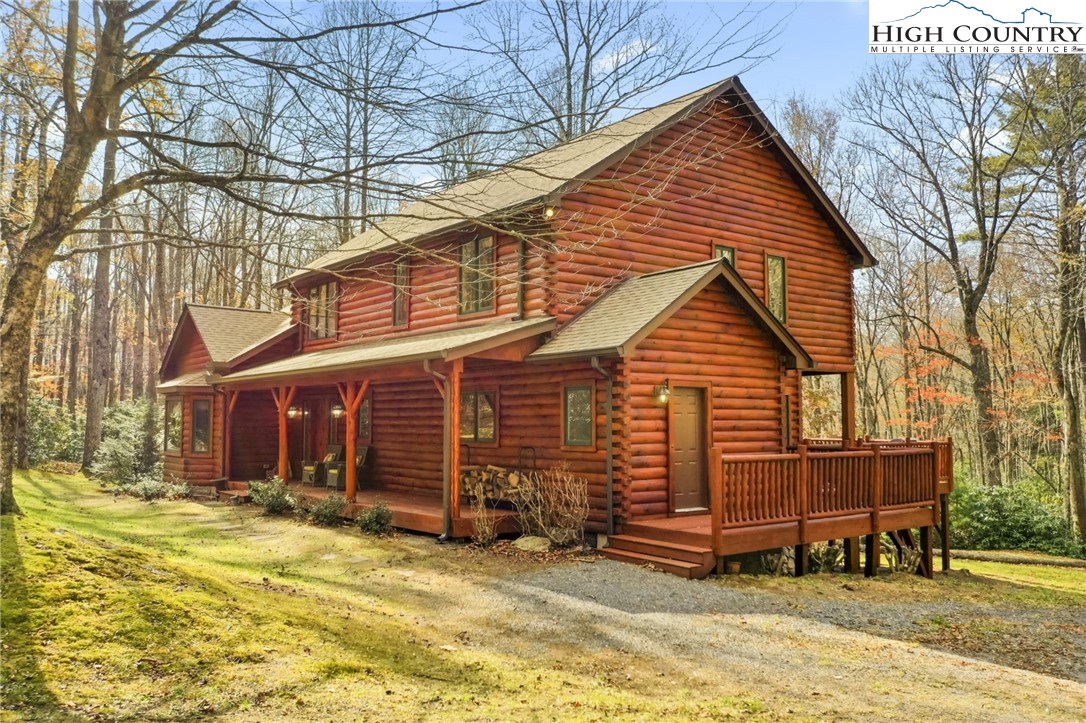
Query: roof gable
x=619 y=320
x=226 y=332
x=547 y=175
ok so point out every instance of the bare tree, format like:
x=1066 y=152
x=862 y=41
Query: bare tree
x=942 y=171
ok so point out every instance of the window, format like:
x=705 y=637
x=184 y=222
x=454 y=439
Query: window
x=401 y=289
x=478 y=417
x=776 y=295
x=578 y=420
x=322 y=311
x=725 y=252
x=477 y=275
x=201 y=425
x=365 y=420
x=172 y=427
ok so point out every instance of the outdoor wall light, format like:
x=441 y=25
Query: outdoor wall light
x=549 y=211
x=337 y=410
x=662 y=392
x=293 y=413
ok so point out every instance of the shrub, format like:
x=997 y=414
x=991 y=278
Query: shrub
x=484 y=521
x=52 y=434
x=274 y=496
x=825 y=557
x=1009 y=518
x=376 y=520
x=326 y=512
x=129 y=448
x=151 y=487
x=553 y=503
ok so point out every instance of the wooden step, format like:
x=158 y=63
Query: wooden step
x=689 y=570
x=234 y=485
x=675 y=536
x=660 y=548
x=235 y=497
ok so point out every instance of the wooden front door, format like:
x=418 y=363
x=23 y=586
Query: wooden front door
x=689 y=463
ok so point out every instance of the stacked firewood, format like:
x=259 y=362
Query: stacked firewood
x=489 y=482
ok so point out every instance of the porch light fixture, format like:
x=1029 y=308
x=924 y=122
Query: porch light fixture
x=337 y=410
x=549 y=211
x=662 y=392
x=293 y=413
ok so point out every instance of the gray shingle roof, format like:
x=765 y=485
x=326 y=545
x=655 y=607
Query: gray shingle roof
x=450 y=344
x=520 y=183
x=226 y=332
x=185 y=381
x=616 y=322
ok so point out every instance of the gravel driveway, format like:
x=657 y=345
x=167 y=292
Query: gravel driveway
x=829 y=659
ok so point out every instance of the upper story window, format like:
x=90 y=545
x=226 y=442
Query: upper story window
x=477 y=275
x=776 y=285
x=172 y=428
x=401 y=290
x=322 y=311
x=725 y=252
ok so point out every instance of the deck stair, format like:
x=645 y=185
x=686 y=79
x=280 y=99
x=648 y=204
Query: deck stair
x=689 y=561
x=234 y=492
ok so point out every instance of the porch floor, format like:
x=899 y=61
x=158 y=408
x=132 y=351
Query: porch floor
x=418 y=511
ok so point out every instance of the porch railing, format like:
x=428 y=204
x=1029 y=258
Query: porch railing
x=751 y=490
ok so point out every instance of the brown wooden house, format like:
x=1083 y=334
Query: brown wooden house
x=639 y=304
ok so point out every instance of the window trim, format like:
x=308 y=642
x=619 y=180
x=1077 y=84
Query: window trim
x=784 y=286
x=495 y=393
x=487 y=279
x=180 y=448
x=327 y=327
x=589 y=384
x=730 y=257
x=401 y=293
x=210 y=426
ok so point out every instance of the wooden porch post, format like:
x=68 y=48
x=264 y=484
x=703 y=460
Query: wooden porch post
x=454 y=437
x=283 y=400
x=231 y=401
x=352 y=394
x=926 y=552
x=852 y=555
x=874 y=552
x=848 y=409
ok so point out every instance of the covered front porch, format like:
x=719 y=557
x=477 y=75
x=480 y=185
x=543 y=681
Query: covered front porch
x=379 y=422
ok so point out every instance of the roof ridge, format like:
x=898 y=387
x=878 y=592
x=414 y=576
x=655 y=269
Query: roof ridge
x=235 y=308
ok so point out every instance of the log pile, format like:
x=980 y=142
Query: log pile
x=490 y=483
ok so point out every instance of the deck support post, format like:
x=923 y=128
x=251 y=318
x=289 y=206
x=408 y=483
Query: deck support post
x=283 y=397
x=874 y=553
x=926 y=552
x=352 y=394
x=803 y=559
x=944 y=531
x=852 y=555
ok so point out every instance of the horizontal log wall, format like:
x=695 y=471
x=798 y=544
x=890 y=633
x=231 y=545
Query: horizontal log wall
x=365 y=296
x=705 y=181
x=254 y=435
x=530 y=419
x=712 y=340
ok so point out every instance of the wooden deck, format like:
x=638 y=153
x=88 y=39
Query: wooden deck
x=766 y=501
x=415 y=511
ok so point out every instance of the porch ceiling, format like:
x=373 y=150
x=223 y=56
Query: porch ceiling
x=435 y=346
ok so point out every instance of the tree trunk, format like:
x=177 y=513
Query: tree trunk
x=139 y=348
x=980 y=368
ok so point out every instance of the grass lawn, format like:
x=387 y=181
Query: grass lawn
x=114 y=609
x=118 y=610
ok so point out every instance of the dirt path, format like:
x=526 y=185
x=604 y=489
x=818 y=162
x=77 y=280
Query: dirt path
x=748 y=643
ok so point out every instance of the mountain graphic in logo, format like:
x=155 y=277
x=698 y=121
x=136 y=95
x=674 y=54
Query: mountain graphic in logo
x=1029 y=16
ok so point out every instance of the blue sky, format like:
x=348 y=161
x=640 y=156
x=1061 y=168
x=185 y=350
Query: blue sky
x=823 y=49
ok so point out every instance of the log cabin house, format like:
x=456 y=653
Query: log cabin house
x=640 y=304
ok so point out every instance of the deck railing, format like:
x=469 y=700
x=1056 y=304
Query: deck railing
x=751 y=490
